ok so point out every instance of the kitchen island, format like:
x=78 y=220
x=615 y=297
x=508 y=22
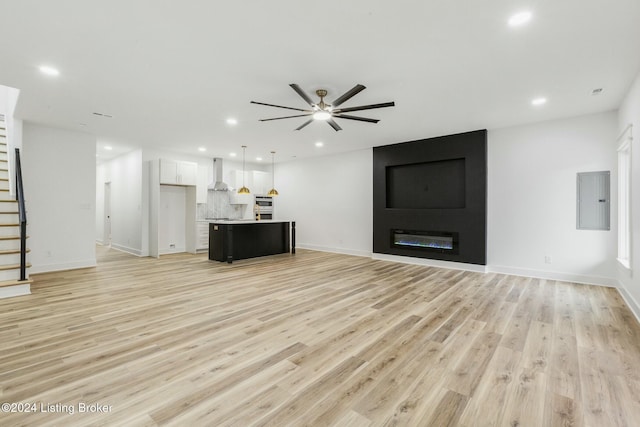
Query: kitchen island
x=231 y=240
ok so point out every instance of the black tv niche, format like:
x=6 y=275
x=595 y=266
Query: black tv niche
x=429 y=198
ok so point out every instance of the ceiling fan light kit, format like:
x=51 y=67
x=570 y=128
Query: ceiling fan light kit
x=322 y=111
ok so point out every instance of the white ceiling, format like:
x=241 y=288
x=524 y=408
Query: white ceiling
x=170 y=73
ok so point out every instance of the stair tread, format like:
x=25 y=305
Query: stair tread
x=12 y=266
x=6 y=283
x=15 y=237
x=11 y=251
x=9 y=224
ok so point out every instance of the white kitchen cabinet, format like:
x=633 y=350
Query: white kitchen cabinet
x=176 y=172
x=261 y=182
x=202 y=235
x=203 y=185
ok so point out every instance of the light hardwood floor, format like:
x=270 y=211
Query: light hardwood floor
x=315 y=339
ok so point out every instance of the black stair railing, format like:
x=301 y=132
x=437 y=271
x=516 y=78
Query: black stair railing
x=22 y=215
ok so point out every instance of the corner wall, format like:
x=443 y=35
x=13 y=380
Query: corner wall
x=532 y=199
x=331 y=200
x=59 y=176
x=629 y=113
x=125 y=173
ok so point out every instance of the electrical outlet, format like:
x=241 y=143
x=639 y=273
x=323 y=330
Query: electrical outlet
x=547 y=259
x=172 y=245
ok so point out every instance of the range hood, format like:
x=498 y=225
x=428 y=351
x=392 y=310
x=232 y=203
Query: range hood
x=217 y=184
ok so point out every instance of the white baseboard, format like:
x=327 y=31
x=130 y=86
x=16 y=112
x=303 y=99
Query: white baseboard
x=343 y=251
x=630 y=300
x=132 y=251
x=431 y=262
x=554 y=275
x=46 y=268
x=15 y=291
x=172 y=251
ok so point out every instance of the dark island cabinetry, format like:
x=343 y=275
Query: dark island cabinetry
x=234 y=240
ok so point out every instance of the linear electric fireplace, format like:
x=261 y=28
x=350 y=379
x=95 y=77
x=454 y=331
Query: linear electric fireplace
x=434 y=241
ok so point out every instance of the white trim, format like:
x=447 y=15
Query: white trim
x=555 y=275
x=172 y=251
x=46 y=268
x=343 y=251
x=513 y=271
x=431 y=262
x=630 y=301
x=132 y=251
x=625 y=263
x=15 y=291
x=625 y=214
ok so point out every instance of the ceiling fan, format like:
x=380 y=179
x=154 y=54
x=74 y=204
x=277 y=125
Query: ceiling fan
x=327 y=112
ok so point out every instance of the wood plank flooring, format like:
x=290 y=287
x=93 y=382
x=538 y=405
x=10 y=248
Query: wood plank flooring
x=314 y=339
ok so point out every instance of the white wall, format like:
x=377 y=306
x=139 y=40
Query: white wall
x=532 y=199
x=331 y=200
x=59 y=174
x=128 y=214
x=8 y=102
x=172 y=219
x=629 y=113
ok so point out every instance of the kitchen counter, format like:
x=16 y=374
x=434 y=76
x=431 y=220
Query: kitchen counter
x=231 y=240
x=240 y=221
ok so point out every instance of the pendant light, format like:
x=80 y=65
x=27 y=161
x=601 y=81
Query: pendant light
x=273 y=191
x=243 y=190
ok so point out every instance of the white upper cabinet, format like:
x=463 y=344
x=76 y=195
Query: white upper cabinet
x=261 y=182
x=175 y=172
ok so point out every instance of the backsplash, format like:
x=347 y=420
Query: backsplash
x=218 y=206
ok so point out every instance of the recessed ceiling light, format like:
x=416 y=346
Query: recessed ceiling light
x=259 y=159
x=519 y=18
x=108 y=147
x=231 y=121
x=202 y=149
x=319 y=144
x=232 y=154
x=539 y=101
x=49 y=71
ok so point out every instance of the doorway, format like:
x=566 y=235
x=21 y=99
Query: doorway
x=107 y=214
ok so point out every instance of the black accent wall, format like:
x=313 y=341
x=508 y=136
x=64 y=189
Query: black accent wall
x=436 y=184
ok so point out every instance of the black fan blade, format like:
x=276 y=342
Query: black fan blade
x=362 y=119
x=279 y=106
x=301 y=93
x=304 y=124
x=364 y=107
x=334 y=125
x=287 y=117
x=354 y=91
